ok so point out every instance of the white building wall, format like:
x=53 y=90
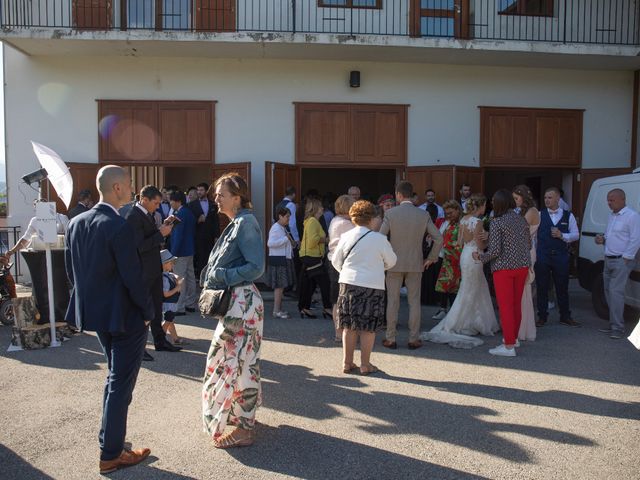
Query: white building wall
x=53 y=100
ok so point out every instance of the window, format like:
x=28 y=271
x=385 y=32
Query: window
x=173 y=14
x=540 y=8
x=351 y=3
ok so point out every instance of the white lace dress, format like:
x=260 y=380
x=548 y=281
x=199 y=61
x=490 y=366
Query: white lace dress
x=472 y=312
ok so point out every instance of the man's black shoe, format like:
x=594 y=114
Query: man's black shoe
x=180 y=314
x=190 y=310
x=146 y=357
x=167 y=347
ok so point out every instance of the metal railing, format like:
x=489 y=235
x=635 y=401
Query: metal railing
x=9 y=236
x=565 y=21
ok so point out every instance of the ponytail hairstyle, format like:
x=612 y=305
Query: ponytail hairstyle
x=237 y=186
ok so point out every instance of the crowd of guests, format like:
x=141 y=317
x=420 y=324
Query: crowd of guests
x=456 y=255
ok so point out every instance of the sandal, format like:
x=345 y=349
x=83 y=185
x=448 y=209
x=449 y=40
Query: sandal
x=349 y=368
x=370 y=371
x=231 y=441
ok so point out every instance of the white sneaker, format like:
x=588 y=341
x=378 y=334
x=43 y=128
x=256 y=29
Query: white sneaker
x=503 y=351
x=551 y=306
x=280 y=314
x=440 y=314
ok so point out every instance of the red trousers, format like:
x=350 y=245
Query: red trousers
x=509 y=286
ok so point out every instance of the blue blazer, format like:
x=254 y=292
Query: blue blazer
x=183 y=235
x=104 y=268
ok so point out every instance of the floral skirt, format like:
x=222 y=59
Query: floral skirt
x=449 y=276
x=361 y=308
x=231 y=391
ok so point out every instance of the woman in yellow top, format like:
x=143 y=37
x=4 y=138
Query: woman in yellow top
x=314 y=272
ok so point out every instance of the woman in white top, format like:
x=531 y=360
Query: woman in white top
x=340 y=224
x=281 y=272
x=525 y=206
x=361 y=257
x=472 y=311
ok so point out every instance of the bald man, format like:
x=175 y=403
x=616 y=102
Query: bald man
x=354 y=192
x=109 y=297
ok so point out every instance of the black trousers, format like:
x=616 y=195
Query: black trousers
x=307 y=285
x=124 y=355
x=558 y=269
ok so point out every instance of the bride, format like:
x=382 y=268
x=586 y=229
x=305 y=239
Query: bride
x=472 y=312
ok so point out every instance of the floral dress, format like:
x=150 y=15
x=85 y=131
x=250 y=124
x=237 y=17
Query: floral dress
x=449 y=276
x=231 y=391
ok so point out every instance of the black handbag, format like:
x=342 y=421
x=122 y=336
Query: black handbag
x=215 y=302
x=313 y=266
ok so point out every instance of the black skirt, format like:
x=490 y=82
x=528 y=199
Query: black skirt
x=334 y=286
x=361 y=308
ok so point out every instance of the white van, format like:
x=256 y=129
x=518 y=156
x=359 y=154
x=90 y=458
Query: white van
x=594 y=221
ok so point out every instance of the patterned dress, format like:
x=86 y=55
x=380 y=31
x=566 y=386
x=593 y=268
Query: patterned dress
x=449 y=276
x=231 y=391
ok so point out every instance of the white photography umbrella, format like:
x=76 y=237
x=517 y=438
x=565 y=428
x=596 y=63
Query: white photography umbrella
x=57 y=171
x=60 y=178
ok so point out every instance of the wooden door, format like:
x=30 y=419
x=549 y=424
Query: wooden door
x=92 y=14
x=473 y=176
x=242 y=168
x=84 y=178
x=439 y=179
x=278 y=177
x=439 y=18
x=216 y=15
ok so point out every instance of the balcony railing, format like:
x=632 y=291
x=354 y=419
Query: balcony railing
x=564 y=21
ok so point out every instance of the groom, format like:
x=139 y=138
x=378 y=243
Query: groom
x=109 y=298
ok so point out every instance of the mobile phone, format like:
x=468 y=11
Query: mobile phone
x=175 y=221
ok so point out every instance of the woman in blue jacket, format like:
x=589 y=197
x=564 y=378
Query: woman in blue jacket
x=231 y=390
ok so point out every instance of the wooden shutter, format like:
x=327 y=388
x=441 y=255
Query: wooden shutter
x=278 y=176
x=332 y=134
x=185 y=131
x=473 y=176
x=379 y=134
x=216 y=15
x=92 y=14
x=128 y=131
x=517 y=137
x=439 y=179
x=322 y=133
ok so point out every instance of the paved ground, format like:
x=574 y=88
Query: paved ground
x=566 y=407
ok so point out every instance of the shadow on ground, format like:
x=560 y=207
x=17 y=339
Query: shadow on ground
x=466 y=426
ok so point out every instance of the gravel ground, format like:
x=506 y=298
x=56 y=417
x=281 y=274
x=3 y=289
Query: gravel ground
x=566 y=407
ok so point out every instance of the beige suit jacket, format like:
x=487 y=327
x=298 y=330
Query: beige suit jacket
x=407 y=225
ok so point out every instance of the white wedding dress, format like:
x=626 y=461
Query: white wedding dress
x=472 y=312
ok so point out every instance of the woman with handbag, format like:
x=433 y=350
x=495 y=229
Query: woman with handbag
x=361 y=257
x=339 y=225
x=313 y=271
x=281 y=272
x=231 y=391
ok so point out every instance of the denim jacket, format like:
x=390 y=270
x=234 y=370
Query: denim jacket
x=238 y=255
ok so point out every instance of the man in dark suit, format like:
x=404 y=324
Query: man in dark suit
x=207 y=227
x=109 y=297
x=149 y=239
x=84 y=204
x=183 y=246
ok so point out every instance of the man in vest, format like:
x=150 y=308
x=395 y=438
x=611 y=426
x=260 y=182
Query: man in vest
x=558 y=228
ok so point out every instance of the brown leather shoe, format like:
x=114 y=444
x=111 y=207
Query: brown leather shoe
x=389 y=344
x=126 y=459
x=414 y=345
